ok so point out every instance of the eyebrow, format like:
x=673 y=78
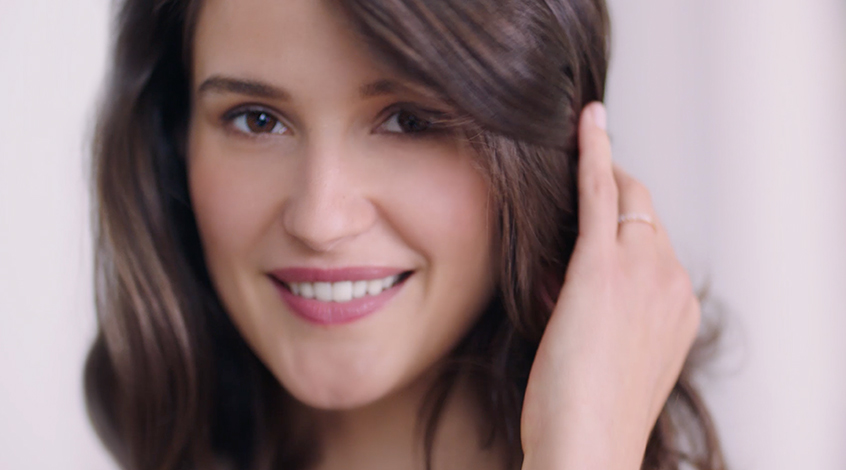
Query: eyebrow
x=258 y=89
x=382 y=87
x=221 y=84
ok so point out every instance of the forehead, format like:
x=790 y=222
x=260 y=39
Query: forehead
x=304 y=44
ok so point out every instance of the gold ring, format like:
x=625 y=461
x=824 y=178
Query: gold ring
x=636 y=217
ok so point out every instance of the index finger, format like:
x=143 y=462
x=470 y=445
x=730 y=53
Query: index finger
x=597 y=187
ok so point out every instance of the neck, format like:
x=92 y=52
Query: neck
x=389 y=433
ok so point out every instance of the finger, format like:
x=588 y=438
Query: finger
x=597 y=188
x=634 y=199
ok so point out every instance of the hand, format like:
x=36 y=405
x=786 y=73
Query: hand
x=623 y=324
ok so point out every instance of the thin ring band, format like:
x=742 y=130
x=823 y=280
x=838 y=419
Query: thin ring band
x=636 y=217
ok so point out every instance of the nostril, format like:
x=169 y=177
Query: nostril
x=321 y=221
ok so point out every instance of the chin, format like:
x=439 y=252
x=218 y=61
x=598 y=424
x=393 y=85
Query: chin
x=342 y=387
x=336 y=396
x=337 y=400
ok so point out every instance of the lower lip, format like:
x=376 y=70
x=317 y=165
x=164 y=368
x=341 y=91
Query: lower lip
x=336 y=313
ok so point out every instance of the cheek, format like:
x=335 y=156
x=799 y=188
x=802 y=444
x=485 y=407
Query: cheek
x=445 y=209
x=221 y=211
x=233 y=193
x=441 y=208
x=233 y=203
x=223 y=216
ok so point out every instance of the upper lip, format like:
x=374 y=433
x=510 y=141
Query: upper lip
x=352 y=273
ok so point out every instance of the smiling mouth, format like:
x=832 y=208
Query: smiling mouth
x=344 y=291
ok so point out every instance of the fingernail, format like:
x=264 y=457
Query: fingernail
x=600 y=116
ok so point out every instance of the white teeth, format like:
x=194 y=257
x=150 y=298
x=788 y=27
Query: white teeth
x=307 y=290
x=359 y=289
x=323 y=291
x=342 y=291
x=374 y=287
x=389 y=281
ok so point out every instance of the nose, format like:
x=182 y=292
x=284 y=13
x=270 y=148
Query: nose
x=328 y=204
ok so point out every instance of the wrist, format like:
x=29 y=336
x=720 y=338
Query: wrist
x=586 y=440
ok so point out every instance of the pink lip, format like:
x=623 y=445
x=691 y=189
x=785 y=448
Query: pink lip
x=334 y=313
x=363 y=273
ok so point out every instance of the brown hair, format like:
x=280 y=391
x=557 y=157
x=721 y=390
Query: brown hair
x=171 y=384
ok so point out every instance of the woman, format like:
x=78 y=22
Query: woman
x=333 y=234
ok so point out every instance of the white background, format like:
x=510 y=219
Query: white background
x=732 y=111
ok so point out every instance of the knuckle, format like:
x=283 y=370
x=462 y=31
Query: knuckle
x=694 y=310
x=636 y=191
x=601 y=186
x=632 y=188
x=690 y=311
x=696 y=315
x=680 y=283
x=692 y=319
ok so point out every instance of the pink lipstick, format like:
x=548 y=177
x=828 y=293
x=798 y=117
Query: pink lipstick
x=337 y=296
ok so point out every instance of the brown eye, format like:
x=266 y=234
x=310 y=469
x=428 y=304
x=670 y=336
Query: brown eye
x=258 y=122
x=409 y=122
x=406 y=122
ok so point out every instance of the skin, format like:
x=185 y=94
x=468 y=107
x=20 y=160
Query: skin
x=338 y=183
x=624 y=322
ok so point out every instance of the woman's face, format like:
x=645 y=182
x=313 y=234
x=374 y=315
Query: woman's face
x=315 y=172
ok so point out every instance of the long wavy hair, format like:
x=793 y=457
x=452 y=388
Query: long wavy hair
x=170 y=384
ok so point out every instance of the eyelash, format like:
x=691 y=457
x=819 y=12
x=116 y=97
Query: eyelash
x=433 y=118
x=242 y=112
